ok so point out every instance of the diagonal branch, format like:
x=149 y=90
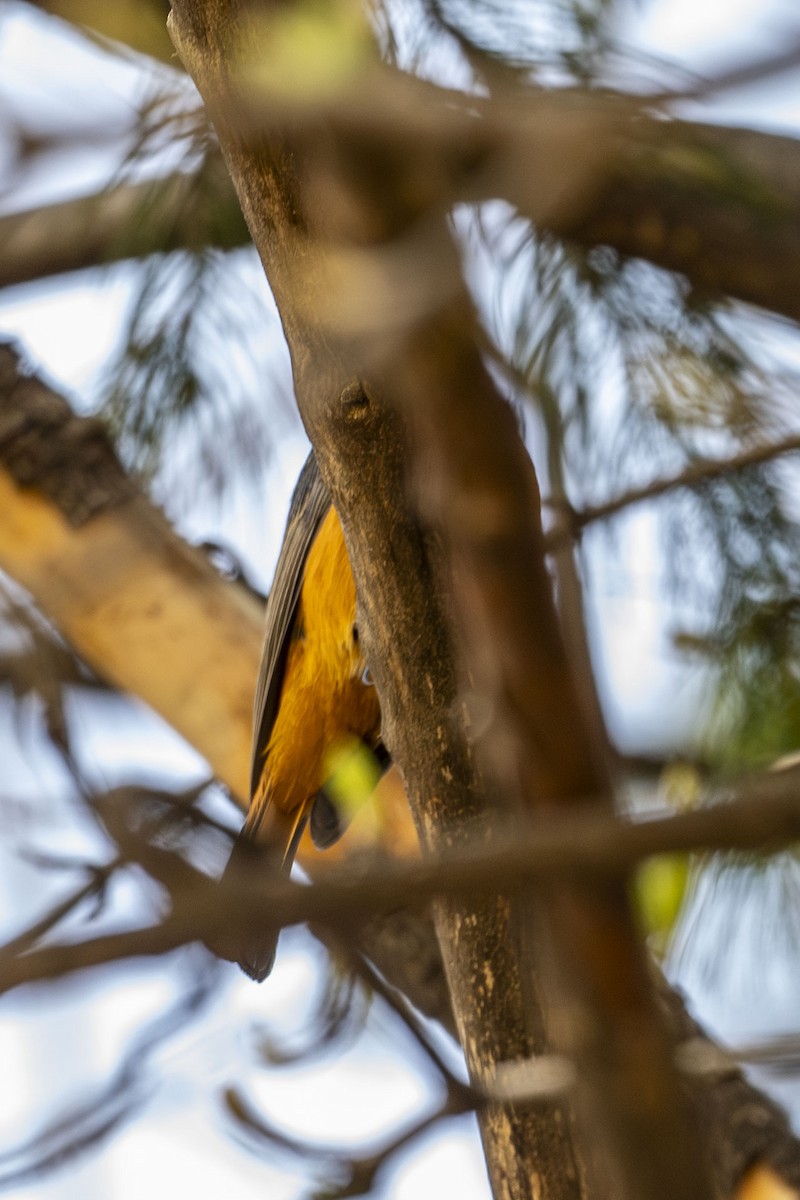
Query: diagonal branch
x=131 y=220
x=481 y=496
x=570 y=522
x=94 y=886
x=101 y=561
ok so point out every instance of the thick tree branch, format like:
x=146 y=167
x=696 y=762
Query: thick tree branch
x=359 y=447
x=593 y=167
x=721 y=206
x=102 y=562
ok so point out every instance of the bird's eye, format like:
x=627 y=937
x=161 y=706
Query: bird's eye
x=366 y=678
x=355 y=634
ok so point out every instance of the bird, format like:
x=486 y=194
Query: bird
x=314 y=693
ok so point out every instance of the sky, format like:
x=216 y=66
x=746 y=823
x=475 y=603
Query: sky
x=180 y=1143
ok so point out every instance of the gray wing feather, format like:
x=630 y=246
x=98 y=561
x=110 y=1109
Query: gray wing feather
x=310 y=502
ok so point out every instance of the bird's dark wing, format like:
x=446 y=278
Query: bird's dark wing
x=310 y=502
x=254 y=948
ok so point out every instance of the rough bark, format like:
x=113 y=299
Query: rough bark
x=360 y=448
x=749 y=1140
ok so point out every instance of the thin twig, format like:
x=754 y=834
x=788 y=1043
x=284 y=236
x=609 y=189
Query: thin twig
x=757 y=70
x=402 y=1007
x=571 y=521
x=359 y=1172
x=30 y=936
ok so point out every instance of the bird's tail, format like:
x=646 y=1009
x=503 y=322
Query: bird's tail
x=267 y=844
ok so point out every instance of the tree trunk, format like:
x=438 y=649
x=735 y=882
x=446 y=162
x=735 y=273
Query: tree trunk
x=310 y=203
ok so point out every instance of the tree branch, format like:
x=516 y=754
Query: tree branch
x=581 y=845
x=570 y=522
x=132 y=220
x=312 y=203
x=100 y=559
x=681 y=195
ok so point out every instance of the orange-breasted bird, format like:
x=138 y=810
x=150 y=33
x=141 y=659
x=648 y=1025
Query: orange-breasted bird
x=313 y=692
